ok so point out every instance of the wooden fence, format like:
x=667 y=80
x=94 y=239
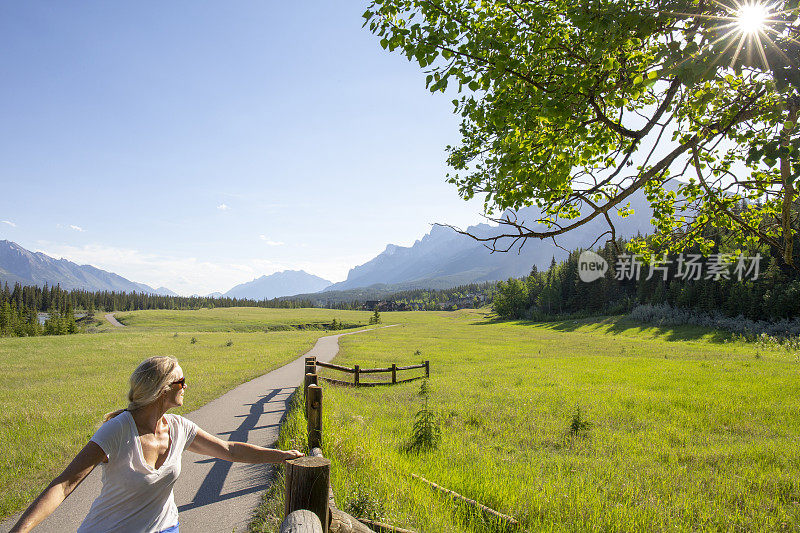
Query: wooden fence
x=357 y=372
x=309 y=506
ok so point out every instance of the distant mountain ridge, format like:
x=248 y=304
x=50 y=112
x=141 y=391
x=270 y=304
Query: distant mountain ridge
x=163 y=291
x=444 y=259
x=18 y=265
x=286 y=283
x=441 y=259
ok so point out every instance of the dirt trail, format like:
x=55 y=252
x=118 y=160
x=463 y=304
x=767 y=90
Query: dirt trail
x=113 y=320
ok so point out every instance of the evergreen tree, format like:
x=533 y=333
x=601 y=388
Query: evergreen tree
x=6 y=318
x=375 y=318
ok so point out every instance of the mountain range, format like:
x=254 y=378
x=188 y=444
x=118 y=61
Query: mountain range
x=441 y=259
x=18 y=265
x=444 y=258
x=286 y=283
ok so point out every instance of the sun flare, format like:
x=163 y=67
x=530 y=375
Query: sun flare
x=752 y=18
x=751 y=32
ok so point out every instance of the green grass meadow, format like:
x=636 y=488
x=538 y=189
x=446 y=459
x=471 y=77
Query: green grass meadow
x=55 y=390
x=243 y=319
x=687 y=432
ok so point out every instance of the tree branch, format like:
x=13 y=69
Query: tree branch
x=721 y=208
x=525 y=232
x=641 y=133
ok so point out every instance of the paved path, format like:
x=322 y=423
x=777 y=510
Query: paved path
x=114 y=322
x=214 y=495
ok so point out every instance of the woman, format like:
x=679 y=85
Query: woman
x=140 y=448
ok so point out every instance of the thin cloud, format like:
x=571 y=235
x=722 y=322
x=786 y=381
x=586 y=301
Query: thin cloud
x=184 y=275
x=9 y=223
x=76 y=228
x=270 y=242
x=223 y=207
x=191 y=275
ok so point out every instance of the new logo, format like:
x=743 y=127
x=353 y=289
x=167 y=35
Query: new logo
x=591 y=266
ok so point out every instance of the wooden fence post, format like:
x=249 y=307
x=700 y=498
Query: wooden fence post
x=356 y=375
x=311 y=367
x=310 y=379
x=394 y=372
x=314 y=416
x=427 y=369
x=307 y=487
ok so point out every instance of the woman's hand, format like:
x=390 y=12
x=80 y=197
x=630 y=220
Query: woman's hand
x=292 y=454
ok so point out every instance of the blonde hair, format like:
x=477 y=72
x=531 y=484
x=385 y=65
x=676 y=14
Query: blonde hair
x=148 y=382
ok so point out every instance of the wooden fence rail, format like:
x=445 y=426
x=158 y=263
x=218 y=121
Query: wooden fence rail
x=357 y=371
x=335 y=367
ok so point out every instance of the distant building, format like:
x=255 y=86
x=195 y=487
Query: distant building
x=370 y=305
x=386 y=305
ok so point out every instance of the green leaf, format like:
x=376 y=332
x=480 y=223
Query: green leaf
x=527 y=135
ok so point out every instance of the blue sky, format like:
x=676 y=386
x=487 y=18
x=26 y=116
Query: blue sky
x=198 y=145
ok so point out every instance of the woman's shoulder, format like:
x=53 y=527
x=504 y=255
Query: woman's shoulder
x=185 y=427
x=180 y=421
x=112 y=432
x=118 y=422
x=173 y=418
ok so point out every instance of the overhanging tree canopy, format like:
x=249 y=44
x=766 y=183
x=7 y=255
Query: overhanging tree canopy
x=576 y=106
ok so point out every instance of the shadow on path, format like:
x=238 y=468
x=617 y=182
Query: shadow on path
x=210 y=490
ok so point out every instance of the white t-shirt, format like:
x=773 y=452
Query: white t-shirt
x=136 y=498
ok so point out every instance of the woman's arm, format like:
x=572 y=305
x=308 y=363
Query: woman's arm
x=60 y=487
x=240 y=452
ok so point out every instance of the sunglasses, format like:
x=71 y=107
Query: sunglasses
x=181 y=382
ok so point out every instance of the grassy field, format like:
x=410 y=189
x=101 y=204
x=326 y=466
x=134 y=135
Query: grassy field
x=54 y=390
x=243 y=319
x=687 y=432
